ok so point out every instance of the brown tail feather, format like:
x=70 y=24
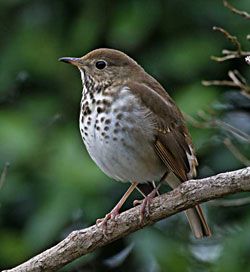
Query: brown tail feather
x=194 y=215
x=198 y=222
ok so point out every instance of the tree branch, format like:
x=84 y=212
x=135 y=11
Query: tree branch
x=237 y=81
x=239 y=12
x=4 y=174
x=229 y=54
x=190 y=193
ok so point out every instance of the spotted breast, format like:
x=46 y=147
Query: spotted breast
x=113 y=128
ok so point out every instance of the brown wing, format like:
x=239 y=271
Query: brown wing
x=172 y=141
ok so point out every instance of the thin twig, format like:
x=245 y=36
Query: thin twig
x=233 y=40
x=233 y=130
x=209 y=122
x=237 y=81
x=233 y=53
x=234 y=75
x=239 y=76
x=195 y=123
x=219 y=83
x=239 y=12
x=235 y=151
x=229 y=57
x=230 y=54
x=4 y=174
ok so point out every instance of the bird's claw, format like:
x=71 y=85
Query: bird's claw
x=103 y=222
x=145 y=207
x=137 y=202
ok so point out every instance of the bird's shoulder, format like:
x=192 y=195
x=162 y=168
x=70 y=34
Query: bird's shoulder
x=172 y=140
x=154 y=97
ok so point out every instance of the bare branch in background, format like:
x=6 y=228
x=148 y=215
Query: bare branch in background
x=239 y=12
x=229 y=54
x=188 y=194
x=234 y=41
x=238 y=52
x=4 y=174
x=235 y=151
x=237 y=81
x=233 y=130
x=211 y=122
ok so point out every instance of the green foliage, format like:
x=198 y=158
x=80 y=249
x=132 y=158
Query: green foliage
x=52 y=186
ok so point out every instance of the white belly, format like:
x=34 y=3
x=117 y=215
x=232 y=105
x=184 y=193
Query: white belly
x=120 y=141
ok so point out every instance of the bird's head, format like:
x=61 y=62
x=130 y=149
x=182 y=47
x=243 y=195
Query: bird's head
x=105 y=65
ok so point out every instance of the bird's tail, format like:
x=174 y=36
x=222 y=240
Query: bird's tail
x=194 y=215
x=198 y=222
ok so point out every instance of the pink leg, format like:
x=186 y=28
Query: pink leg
x=115 y=211
x=146 y=203
x=138 y=202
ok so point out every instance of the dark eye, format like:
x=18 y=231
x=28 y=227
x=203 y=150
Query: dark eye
x=100 y=64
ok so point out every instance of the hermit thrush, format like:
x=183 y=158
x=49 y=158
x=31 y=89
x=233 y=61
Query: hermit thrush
x=132 y=128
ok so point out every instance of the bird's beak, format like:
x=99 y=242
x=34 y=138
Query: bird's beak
x=73 y=61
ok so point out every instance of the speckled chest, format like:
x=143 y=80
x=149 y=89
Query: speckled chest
x=105 y=116
x=95 y=116
x=117 y=131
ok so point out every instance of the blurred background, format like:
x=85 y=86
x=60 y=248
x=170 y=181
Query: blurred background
x=52 y=187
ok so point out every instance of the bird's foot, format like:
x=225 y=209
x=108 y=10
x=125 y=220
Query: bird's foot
x=145 y=204
x=103 y=222
x=137 y=202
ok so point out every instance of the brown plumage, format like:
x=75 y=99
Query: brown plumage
x=172 y=142
x=145 y=137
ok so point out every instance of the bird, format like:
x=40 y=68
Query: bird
x=133 y=130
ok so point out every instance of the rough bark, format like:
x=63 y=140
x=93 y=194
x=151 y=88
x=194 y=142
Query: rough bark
x=84 y=241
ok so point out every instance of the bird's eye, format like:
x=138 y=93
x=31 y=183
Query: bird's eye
x=100 y=64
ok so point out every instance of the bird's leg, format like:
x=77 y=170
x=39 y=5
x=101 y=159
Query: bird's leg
x=115 y=211
x=138 y=202
x=148 y=199
x=157 y=191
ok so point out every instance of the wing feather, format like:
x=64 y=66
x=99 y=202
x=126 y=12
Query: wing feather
x=172 y=141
